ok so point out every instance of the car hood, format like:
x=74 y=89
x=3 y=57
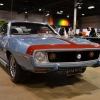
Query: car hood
x=36 y=40
x=29 y=44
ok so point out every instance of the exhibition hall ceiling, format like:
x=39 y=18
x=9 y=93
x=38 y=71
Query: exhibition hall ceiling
x=58 y=8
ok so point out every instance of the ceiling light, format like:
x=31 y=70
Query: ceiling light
x=25 y=12
x=78 y=3
x=79 y=7
x=1 y=4
x=59 y=12
x=67 y=16
x=83 y=14
x=47 y=14
x=91 y=7
x=40 y=9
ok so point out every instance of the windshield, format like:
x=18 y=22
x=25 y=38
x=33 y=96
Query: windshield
x=30 y=28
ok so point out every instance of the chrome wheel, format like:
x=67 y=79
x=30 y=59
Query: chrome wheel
x=12 y=67
x=15 y=71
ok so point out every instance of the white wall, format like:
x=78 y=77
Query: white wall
x=38 y=18
x=6 y=15
x=93 y=21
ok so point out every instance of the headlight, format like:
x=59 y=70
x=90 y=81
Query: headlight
x=40 y=56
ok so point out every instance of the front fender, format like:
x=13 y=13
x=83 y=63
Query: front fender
x=17 y=46
x=18 y=49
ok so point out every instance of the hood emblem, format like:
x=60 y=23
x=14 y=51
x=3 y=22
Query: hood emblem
x=78 y=56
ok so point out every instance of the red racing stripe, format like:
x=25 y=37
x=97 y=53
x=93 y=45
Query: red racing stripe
x=32 y=48
x=65 y=40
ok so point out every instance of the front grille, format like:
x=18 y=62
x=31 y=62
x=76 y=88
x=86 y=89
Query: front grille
x=71 y=56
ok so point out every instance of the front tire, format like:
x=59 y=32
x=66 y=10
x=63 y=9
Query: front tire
x=15 y=71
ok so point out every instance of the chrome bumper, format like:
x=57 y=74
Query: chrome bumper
x=56 y=66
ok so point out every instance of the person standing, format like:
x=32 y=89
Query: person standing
x=88 y=31
x=92 y=33
x=63 y=32
x=71 y=32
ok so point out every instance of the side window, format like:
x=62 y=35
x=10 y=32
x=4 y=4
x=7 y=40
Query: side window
x=4 y=28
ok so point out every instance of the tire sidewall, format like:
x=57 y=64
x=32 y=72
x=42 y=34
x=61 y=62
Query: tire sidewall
x=17 y=76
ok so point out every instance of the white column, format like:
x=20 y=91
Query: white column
x=75 y=15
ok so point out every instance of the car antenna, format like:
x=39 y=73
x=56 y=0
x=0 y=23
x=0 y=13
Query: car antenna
x=11 y=8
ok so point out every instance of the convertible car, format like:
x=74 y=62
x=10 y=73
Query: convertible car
x=38 y=48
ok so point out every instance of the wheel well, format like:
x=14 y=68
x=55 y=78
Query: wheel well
x=8 y=53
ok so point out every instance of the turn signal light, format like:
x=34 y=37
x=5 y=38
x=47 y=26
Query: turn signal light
x=40 y=70
x=52 y=56
x=91 y=54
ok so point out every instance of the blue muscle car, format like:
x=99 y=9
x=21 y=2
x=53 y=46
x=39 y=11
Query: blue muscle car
x=37 y=48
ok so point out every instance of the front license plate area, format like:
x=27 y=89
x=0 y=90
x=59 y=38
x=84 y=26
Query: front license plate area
x=74 y=71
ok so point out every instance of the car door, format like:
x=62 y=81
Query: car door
x=3 y=41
